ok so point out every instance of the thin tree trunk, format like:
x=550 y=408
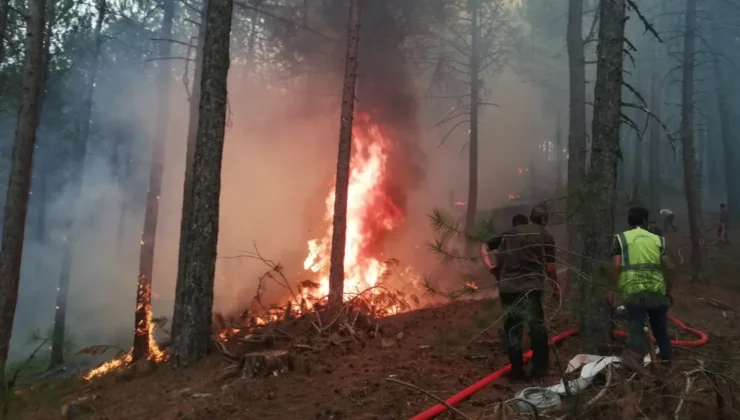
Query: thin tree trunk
x=602 y=179
x=143 y=317
x=339 y=225
x=83 y=126
x=472 y=205
x=19 y=184
x=191 y=324
x=124 y=182
x=728 y=148
x=655 y=134
x=576 y=123
x=690 y=175
x=41 y=197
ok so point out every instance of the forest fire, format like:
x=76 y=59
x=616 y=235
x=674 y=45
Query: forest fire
x=371 y=216
x=156 y=355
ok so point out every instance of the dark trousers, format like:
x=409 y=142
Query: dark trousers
x=520 y=309
x=669 y=222
x=657 y=316
x=722 y=228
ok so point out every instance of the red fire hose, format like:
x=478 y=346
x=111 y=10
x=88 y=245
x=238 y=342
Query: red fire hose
x=472 y=389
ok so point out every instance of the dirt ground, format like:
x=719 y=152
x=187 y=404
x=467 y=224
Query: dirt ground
x=348 y=381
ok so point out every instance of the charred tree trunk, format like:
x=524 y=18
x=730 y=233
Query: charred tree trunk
x=143 y=316
x=576 y=123
x=690 y=175
x=472 y=205
x=599 y=231
x=655 y=134
x=19 y=184
x=83 y=132
x=728 y=148
x=339 y=225
x=191 y=324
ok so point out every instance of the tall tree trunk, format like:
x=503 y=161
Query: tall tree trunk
x=4 y=9
x=191 y=324
x=655 y=134
x=40 y=181
x=558 y=157
x=472 y=205
x=193 y=118
x=690 y=175
x=143 y=316
x=83 y=132
x=638 y=160
x=19 y=183
x=602 y=179
x=728 y=148
x=339 y=225
x=576 y=123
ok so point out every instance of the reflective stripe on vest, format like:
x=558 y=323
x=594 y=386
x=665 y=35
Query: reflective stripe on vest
x=641 y=268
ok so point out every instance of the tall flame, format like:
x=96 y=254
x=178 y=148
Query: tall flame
x=371 y=214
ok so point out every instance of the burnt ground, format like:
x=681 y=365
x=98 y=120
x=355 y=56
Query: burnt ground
x=346 y=380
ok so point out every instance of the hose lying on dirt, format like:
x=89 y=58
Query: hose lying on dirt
x=469 y=391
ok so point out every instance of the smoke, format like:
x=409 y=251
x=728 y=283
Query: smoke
x=279 y=165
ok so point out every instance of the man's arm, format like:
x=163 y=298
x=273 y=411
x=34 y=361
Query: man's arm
x=669 y=269
x=484 y=251
x=487 y=248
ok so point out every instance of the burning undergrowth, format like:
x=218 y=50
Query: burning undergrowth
x=375 y=286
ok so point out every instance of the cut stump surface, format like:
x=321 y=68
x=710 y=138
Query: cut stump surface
x=265 y=363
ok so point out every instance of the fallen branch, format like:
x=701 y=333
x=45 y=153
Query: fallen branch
x=686 y=390
x=429 y=394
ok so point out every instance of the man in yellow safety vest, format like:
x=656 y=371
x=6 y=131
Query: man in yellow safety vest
x=643 y=272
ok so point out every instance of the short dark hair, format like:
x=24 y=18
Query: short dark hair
x=519 y=220
x=722 y=205
x=637 y=216
x=539 y=215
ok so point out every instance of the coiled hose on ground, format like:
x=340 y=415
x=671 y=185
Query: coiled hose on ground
x=472 y=389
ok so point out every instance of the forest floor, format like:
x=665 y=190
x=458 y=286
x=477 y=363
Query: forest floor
x=349 y=380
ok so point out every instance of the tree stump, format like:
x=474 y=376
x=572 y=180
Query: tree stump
x=79 y=408
x=265 y=363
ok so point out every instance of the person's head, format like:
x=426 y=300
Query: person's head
x=539 y=215
x=638 y=216
x=519 y=220
x=722 y=206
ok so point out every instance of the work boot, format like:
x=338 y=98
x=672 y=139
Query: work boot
x=517 y=375
x=538 y=375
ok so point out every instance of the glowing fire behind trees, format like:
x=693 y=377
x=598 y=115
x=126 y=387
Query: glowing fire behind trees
x=371 y=215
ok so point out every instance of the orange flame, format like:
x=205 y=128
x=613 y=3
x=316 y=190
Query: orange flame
x=370 y=215
x=155 y=353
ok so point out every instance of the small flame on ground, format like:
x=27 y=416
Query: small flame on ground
x=155 y=353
